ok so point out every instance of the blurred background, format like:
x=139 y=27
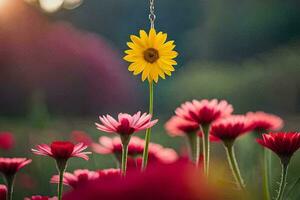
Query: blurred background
x=61 y=66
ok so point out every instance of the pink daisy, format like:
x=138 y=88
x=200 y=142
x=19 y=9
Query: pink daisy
x=177 y=126
x=126 y=124
x=62 y=150
x=228 y=129
x=205 y=111
x=79 y=177
x=262 y=121
x=10 y=166
x=283 y=144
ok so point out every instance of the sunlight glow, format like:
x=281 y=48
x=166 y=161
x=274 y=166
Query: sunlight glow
x=51 y=5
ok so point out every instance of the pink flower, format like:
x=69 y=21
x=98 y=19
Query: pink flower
x=174 y=181
x=7 y=140
x=40 y=198
x=283 y=144
x=3 y=192
x=262 y=121
x=158 y=153
x=126 y=124
x=79 y=177
x=81 y=137
x=231 y=127
x=109 y=173
x=205 y=111
x=62 y=150
x=113 y=145
x=10 y=166
x=177 y=126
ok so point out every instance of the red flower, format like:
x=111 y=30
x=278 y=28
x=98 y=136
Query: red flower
x=7 y=140
x=262 y=121
x=126 y=124
x=177 y=126
x=113 y=145
x=175 y=181
x=40 y=198
x=205 y=111
x=230 y=128
x=109 y=173
x=10 y=166
x=62 y=150
x=283 y=144
x=3 y=192
x=79 y=177
x=81 y=137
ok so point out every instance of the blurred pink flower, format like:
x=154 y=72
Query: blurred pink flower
x=3 y=192
x=81 y=137
x=262 y=121
x=7 y=140
x=77 y=178
x=205 y=111
x=164 y=182
x=230 y=128
x=177 y=126
x=62 y=150
x=10 y=166
x=126 y=124
x=109 y=173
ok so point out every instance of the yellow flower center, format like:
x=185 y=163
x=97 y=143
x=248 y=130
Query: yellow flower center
x=151 y=55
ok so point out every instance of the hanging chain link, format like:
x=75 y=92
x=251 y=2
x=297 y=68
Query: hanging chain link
x=152 y=15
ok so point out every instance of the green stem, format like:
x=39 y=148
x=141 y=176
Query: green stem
x=193 y=141
x=266 y=159
x=10 y=186
x=233 y=164
x=148 y=131
x=282 y=185
x=206 y=148
x=61 y=167
x=125 y=142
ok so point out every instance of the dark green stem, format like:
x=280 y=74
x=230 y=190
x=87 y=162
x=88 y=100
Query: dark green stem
x=233 y=164
x=10 y=186
x=206 y=148
x=148 y=131
x=125 y=141
x=193 y=141
x=282 y=185
x=61 y=167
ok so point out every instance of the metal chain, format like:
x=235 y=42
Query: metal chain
x=152 y=15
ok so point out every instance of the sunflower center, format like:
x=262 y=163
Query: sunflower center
x=151 y=55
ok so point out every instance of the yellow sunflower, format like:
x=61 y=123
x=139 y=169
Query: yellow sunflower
x=151 y=55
